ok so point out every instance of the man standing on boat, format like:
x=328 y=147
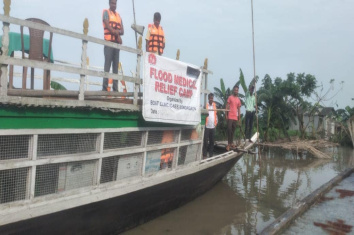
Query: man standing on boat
x=233 y=116
x=155 y=37
x=250 y=103
x=210 y=123
x=113 y=29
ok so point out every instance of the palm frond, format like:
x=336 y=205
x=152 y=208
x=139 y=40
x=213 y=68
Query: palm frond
x=56 y=86
x=242 y=82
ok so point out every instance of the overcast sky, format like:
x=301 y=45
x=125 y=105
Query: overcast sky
x=300 y=36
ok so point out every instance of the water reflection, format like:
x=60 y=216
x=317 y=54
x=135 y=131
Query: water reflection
x=258 y=189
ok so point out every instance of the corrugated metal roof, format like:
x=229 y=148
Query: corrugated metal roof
x=24 y=102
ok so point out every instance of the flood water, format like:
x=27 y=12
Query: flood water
x=258 y=189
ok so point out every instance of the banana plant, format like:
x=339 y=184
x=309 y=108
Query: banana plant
x=56 y=86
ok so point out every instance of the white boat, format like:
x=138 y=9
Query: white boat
x=87 y=161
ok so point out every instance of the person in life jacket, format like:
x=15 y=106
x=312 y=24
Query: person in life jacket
x=210 y=123
x=155 y=37
x=113 y=30
x=167 y=153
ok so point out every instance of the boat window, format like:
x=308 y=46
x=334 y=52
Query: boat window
x=114 y=140
x=190 y=134
x=13 y=184
x=56 y=178
x=63 y=144
x=121 y=167
x=15 y=147
x=159 y=159
x=162 y=137
x=188 y=154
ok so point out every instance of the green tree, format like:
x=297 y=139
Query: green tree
x=221 y=95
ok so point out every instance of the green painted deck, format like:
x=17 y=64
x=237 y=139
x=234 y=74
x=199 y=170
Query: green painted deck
x=13 y=117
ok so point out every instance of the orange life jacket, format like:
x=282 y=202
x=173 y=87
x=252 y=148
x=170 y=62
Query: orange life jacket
x=167 y=154
x=215 y=116
x=110 y=84
x=194 y=135
x=157 y=39
x=115 y=22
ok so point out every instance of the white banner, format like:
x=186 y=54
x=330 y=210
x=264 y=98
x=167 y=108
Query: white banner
x=171 y=91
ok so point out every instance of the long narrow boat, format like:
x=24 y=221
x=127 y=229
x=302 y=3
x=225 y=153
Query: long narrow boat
x=90 y=161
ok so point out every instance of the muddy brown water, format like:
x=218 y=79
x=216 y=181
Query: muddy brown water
x=258 y=189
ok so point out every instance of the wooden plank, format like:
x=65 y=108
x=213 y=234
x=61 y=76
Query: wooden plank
x=68 y=33
x=67 y=69
x=283 y=221
x=206 y=71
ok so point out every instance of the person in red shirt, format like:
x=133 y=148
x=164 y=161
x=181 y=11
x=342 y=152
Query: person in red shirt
x=233 y=116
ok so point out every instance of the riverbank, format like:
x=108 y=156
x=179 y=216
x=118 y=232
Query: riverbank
x=315 y=147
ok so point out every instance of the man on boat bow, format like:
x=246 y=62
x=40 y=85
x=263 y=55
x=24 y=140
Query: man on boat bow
x=233 y=116
x=210 y=124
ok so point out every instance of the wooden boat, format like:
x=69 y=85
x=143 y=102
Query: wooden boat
x=87 y=161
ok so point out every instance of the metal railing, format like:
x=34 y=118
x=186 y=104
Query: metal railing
x=35 y=163
x=83 y=97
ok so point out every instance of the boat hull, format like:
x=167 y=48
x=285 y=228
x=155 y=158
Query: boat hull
x=124 y=212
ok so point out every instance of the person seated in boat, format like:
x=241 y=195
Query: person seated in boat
x=113 y=30
x=250 y=103
x=155 y=36
x=210 y=124
x=233 y=116
x=167 y=153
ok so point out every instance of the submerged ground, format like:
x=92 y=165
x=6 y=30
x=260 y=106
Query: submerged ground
x=258 y=189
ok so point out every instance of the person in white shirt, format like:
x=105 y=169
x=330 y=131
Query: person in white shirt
x=210 y=123
x=250 y=103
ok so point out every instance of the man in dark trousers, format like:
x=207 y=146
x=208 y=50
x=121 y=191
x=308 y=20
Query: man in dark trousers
x=210 y=124
x=233 y=116
x=113 y=29
x=250 y=103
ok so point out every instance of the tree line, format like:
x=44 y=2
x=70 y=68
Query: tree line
x=285 y=103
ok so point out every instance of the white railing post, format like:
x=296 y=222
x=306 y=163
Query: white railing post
x=83 y=62
x=145 y=140
x=32 y=181
x=200 y=149
x=100 y=144
x=5 y=49
x=137 y=75
x=205 y=75
x=175 y=165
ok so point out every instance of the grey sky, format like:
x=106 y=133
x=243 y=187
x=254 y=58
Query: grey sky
x=310 y=36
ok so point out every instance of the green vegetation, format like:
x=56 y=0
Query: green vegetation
x=284 y=110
